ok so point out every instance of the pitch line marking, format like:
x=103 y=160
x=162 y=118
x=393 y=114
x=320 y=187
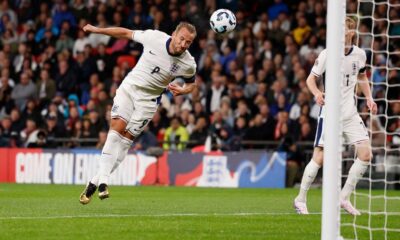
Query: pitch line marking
x=149 y=215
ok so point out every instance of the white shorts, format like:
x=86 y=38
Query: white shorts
x=354 y=131
x=135 y=106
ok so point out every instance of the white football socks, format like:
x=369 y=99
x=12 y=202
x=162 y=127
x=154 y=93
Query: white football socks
x=310 y=172
x=124 y=147
x=109 y=155
x=355 y=173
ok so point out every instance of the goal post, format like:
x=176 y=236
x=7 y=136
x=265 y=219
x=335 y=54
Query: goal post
x=332 y=151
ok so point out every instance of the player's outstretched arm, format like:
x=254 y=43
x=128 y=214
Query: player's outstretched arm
x=181 y=90
x=312 y=85
x=364 y=86
x=117 y=32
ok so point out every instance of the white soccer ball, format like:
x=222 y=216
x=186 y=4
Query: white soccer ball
x=222 y=21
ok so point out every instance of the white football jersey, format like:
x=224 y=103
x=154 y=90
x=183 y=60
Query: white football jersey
x=354 y=63
x=157 y=67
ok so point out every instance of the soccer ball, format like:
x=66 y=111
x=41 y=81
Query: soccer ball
x=222 y=21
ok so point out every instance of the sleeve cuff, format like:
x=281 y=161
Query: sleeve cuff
x=362 y=70
x=189 y=79
x=316 y=74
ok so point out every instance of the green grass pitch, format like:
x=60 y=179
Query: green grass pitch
x=53 y=212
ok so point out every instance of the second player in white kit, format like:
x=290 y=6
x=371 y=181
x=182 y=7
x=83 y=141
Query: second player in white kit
x=354 y=131
x=353 y=127
x=164 y=58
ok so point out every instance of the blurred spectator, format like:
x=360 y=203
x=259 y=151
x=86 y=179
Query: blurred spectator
x=66 y=80
x=80 y=42
x=302 y=32
x=277 y=8
x=6 y=101
x=29 y=135
x=281 y=128
x=23 y=91
x=64 y=42
x=102 y=139
x=31 y=112
x=295 y=110
x=39 y=141
x=53 y=131
x=239 y=133
x=199 y=133
x=250 y=89
x=5 y=132
x=176 y=136
x=294 y=160
x=45 y=88
x=311 y=47
x=146 y=140
x=47 y=27
x=62 y=13
x=214 y=95
x=6 y=10
x=280 y=105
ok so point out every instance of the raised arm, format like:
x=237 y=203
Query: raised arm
x=117 y=32
x=364 y=86
x=312 y=85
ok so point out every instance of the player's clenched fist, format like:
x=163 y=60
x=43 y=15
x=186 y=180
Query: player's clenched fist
x=319 y=98
x=89 y=28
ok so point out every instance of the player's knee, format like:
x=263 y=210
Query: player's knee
x=365 y=155
x=364 y=152
x=128 y=135
x=318 y=156
x=118 y=125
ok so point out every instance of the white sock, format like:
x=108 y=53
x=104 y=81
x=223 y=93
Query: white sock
x=124 y=147
x=95 y=179
x=109 y=155
x=309 y=174
x=355 y=173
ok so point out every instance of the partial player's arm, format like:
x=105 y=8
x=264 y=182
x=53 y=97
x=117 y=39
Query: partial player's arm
x=316 y=72
x=190 y=82
x=365 y=89
x=181 y=90
x=117 y=32
x=312 y=85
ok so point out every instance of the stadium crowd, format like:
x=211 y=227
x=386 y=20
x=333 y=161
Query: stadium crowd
x=57 y=82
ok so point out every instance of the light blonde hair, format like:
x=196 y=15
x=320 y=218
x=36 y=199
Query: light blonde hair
x=350 y=23
x=188 y=26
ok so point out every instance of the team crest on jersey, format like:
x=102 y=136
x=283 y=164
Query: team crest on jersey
x=114 y=109
x=316 y=63
x=174 y=68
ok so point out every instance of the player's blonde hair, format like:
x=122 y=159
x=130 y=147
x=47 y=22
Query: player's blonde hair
x=188 y=26
x=350 y=23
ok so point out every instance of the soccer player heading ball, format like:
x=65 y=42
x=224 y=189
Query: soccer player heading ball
x=354 y=131
x=164 y=58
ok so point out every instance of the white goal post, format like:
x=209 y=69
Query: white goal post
x=332 y=151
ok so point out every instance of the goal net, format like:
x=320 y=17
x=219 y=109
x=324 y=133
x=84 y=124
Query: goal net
x=378 y=194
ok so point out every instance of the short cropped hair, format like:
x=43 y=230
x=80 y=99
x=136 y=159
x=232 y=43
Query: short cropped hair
x=188 y=26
